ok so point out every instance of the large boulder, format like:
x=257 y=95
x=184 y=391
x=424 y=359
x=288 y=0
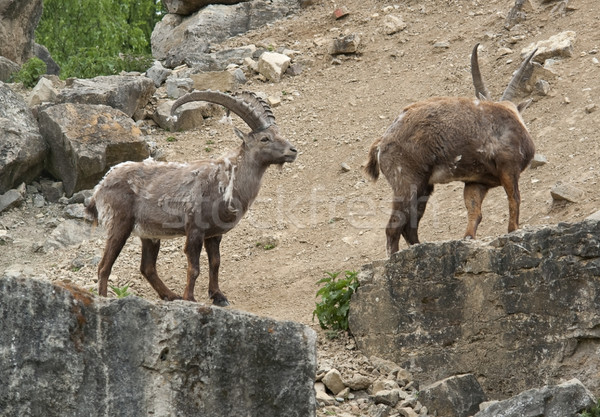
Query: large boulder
x=518 y=313
x=123 y=92
x=86 y=140
x=65 y=352
x=7 y=68
x=187 y=7
x=174 y=37
x=18 y=20
x=568 y=399
x=22 y=148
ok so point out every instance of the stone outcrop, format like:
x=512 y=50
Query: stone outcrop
x=86 y=140
x=187 y=7
x=568 y=399
x=22 y=148
x=519 y=312
x=18 y=20
x=66 y=352
x=125 y=93
x=174 y=38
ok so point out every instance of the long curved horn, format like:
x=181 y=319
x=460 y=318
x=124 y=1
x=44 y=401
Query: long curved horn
x=248 y=110
x=511 y=89
x=480 y=90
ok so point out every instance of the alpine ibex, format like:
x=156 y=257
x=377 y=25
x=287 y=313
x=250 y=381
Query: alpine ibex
x=200 y=200
x=480 y=142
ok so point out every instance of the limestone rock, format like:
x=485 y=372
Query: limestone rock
x=538 y=160
x=457 y=396
x=393 y=24
x=187 y=7
x=12 y=198
x=68 y=233
x=224 y=81
x=125 y=93
x=7 y=68
x=333 y=381
x=557 y=46
x=17 y=28
x=524 y=299
x=272 y=65
x=349 y=44
x=66 y=352
x=22 y=148
x=188 y=116
x=566 y=192
x=86 y=140
x=43 y=92
x=215 y=61
x=565 y=400
x=158 y=73
x=174 y=38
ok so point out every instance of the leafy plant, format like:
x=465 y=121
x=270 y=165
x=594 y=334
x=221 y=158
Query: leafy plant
x=171 y=139
x=30 y=72
x=332 y=310
x=121 y=292
x=593 y=411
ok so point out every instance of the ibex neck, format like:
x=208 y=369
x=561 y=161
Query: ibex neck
x=246 y=176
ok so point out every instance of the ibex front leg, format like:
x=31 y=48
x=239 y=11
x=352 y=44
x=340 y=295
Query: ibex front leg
x=192 y=249
x=214 y=261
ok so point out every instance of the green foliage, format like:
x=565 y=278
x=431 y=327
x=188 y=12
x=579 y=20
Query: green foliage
x=121 y=292
x=30 y=72
x=593 y=411
x=99 y=37
x=332 y=310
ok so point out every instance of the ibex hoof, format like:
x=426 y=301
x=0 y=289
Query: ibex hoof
x=220 y=300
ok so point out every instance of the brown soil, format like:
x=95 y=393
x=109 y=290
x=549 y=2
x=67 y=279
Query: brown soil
x=320 y=218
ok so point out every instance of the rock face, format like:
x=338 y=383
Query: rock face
x=174 y=37
x=18 y=20
x=528 y=299
x=126 y=93
x=186 y=7
x=565 y=400
x=86 y=140
x=65 y=352
x=22 y=148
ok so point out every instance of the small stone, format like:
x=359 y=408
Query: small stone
x=590 y=108
x=542 y=87
x=333 y=381
x=407 y=412
x=595 y=216
x=345 y=167
x=52 y=191
x=340 y=12
x=440 y=46
x=358 y=382
x=12 y=198
x=393 y=24
x=75 y=211
x=322 y=396
x=349 y=44
x=387 y=397
x=38 y=201
x=538 y=160
x=566 y=192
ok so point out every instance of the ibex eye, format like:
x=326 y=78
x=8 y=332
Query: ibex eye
x=264 y=139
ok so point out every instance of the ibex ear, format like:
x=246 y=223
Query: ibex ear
x=523 y=105
x=239 y=134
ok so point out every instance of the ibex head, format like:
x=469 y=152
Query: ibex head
x=264 y=139
x=481 y=91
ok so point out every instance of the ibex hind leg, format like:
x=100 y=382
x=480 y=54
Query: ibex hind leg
x=474 y=194
x=116 y=240
x=150 y=248
x=418 y=204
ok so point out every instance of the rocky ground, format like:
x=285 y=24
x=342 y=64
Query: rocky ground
x=321 y=213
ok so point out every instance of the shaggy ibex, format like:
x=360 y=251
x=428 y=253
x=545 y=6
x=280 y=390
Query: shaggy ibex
x=479 y=142
x=201 y=200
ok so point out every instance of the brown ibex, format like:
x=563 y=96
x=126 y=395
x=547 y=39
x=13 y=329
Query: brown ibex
x=200 y=200
x=480 y=142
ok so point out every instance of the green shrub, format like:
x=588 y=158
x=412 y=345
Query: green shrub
x=121 y=292
x=332 y=310
x=593 y=411
x=30 y=72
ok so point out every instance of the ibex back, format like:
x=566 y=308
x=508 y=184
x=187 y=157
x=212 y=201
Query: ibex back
x=200 y=200
x=480 y=142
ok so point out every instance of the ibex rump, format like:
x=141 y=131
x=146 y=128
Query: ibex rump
x=200 y=200
x=480 y=142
